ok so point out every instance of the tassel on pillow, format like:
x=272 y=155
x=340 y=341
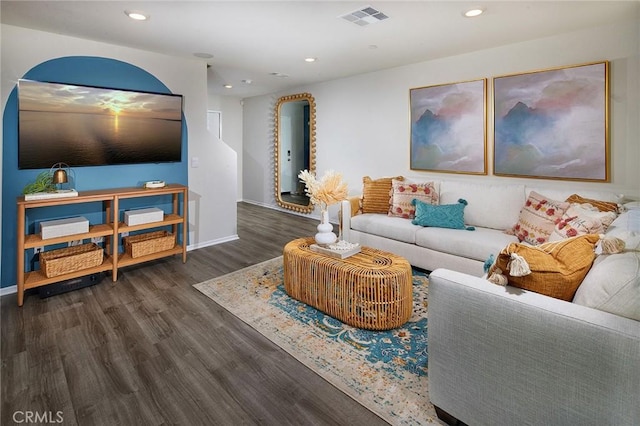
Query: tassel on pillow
x=518 y=266
x=611 y=245
x=487 y=263
x=498 y=278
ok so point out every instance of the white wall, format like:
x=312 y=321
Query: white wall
x=257 y=149
x=363 y=121
x=212 y=186
x=231 y=109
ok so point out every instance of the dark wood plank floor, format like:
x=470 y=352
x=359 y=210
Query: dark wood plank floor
x=151 y=350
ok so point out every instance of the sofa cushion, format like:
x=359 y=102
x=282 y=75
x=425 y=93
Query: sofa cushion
x=538 y=217
x=613 y=285
x=442 y=216
x=376 y=194
x=477 y=245
x=490 y=206
x=395 y=228
x=404 y=192
x=557 y=268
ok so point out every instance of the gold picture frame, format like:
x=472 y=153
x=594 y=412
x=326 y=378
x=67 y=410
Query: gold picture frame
x=553 y=124
x=449 y=127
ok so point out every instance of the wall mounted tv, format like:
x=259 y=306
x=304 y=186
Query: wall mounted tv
x=95 y=126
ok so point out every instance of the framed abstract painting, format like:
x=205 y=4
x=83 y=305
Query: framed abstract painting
x=553 y=124
x=448 y=128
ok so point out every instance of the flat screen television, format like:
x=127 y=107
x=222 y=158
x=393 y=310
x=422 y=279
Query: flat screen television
x=95 y=126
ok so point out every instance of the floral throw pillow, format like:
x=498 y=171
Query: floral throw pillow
x=403 y=193
x=538 y=218
x=581 y=219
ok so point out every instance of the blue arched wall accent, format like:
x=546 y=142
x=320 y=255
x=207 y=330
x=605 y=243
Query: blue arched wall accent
x=83 y=70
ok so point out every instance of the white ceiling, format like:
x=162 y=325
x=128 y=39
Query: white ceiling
x=252 y=39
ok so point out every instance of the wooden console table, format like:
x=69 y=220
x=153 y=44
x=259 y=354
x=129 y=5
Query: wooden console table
x=110 y=231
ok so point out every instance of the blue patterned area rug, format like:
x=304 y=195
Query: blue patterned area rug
x=386 y=371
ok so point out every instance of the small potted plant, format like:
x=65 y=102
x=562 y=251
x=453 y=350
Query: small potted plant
x=43 y=183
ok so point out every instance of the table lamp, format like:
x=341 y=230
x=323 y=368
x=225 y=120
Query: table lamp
x=59 y=174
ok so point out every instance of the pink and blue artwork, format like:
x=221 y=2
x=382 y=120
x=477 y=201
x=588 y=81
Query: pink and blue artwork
x=448 y=128
x=552 y=124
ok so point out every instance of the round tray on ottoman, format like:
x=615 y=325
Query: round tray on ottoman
x=371 y=289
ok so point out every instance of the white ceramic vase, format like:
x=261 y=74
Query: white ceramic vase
x=325 y=233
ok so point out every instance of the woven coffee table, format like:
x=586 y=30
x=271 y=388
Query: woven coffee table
x=371 y=289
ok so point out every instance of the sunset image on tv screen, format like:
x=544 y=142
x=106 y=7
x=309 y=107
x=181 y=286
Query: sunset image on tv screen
x=89 y=126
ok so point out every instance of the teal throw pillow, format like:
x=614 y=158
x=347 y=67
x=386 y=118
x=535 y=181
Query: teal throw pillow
x=440 y=216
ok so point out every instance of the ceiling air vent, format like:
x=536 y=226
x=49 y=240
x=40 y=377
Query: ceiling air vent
x=365 y=16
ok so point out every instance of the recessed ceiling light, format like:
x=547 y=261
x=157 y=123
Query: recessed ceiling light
x=137 y=15
x=228 y=86
x=310 y=59
x=203 y=55
x=473 y=12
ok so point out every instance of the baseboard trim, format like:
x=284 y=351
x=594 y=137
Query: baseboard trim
x=5 y=291
x=212 y=242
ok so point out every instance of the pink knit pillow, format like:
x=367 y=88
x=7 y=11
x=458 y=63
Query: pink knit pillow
x=581 y=219
x=403 y=193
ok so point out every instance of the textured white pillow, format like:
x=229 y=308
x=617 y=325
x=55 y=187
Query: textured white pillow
x=613 y=285
x=627 y=228
x=629 y=220
x=631 y=239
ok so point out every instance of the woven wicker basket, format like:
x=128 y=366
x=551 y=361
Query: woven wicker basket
x=148 y=243
x=70 y=259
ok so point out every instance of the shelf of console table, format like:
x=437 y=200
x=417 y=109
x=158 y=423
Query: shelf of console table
x=36 y=278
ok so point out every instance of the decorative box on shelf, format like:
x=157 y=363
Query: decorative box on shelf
x=149 y=243
x=142 y=216
x=70 y=259
x=63 y=227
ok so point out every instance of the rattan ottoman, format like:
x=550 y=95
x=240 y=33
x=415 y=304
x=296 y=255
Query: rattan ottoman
x=371 y=289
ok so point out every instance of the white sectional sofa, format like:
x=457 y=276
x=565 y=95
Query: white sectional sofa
x=491 y=209
x=500 y=355
x=505 y=356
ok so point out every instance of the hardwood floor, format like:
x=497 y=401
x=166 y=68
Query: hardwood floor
x=151 y=350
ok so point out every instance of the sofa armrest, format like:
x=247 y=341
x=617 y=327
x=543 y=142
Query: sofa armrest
x=502 y=355
x=354 y=202
x=348 y=208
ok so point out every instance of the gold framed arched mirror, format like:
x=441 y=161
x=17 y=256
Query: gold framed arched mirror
x=294 y=149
